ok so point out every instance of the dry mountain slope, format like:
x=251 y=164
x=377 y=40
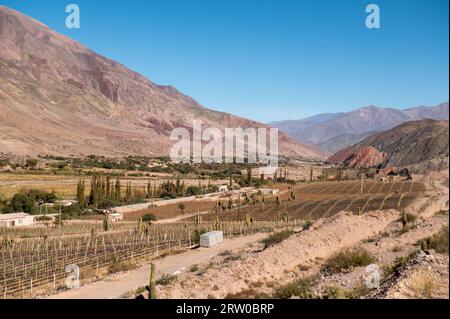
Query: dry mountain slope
x=407 y=144
x=59 y=97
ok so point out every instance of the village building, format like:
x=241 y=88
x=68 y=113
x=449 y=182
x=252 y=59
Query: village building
x=16 y=220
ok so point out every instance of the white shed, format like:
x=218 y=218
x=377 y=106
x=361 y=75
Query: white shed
x=16 y=220
x=211 y=239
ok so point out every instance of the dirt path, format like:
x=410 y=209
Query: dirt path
x=178 y=218
x=117 y=285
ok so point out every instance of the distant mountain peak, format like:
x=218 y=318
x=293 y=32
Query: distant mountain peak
x=354 y=124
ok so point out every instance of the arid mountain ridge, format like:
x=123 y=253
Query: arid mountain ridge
x=335 y=131
x=58 y=97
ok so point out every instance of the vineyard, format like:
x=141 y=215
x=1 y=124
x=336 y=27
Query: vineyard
x=36 y=266
x=319 y=200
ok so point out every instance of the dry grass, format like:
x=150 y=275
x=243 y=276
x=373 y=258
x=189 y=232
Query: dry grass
x=347 y=260
x=438 y=242
x=423 y=285
x=301 y=288
x=277 y=237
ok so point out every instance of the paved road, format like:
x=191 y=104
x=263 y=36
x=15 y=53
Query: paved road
x=115 y=286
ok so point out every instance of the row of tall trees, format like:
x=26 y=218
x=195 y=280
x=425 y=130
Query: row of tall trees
x=105 y=192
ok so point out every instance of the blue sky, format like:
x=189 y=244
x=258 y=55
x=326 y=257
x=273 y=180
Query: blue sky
x=271 y=60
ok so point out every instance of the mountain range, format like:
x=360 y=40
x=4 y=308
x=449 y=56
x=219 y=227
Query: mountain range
x=59 y=97
x=335 y=131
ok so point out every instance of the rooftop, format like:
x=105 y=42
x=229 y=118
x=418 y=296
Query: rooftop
x=13 y=216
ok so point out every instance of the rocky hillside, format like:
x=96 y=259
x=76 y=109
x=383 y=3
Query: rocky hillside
x=333 y=132
x=59 y=97
x=407 y=144
x=367 y=156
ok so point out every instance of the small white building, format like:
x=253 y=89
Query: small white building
x=16 y=220
x=211 y=239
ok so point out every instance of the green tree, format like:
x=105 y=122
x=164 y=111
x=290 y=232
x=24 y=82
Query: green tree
x=80 y=194
x=22 y=202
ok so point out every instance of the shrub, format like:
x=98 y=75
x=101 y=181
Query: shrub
x=148 y=218
x=119 y=265
x=398 y=262
x=332 y=292
x=438 y=242
x=22 y=203
x=247 y=294
x=225 y=253
x=307 y=225
x=424 y=285
x=166 y=280
x=277 y=237
x=348 y=259
x=194 y=268
x=197 y=233
x=300 y=288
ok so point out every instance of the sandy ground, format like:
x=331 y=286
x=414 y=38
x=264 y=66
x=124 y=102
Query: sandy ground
x=281 y=262
x=117 y=285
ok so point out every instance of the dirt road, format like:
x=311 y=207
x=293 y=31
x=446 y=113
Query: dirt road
x=117 y=285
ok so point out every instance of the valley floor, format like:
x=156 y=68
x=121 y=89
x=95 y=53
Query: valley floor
x=242 y=268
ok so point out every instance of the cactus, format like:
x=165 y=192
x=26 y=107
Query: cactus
x=216 y=225
x=139 y=226
x=248 y=220
x=424 y=245
x=198 y=219
x=404 y=219
x=152 y=285
x=293 y=195
x=106 y=224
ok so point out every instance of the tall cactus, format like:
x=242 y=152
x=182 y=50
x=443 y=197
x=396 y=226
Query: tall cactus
x=152 y=285
x=198 y=220
x=139 y=226
x=106 y=223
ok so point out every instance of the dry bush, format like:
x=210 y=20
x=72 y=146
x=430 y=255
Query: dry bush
x=301 y=288
x=423 y=285
x=277 y=237
x=166 y=280
x=389 y=269
x=438 y=242
x=347 y=260
x=333 y=292
x=247 y=294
